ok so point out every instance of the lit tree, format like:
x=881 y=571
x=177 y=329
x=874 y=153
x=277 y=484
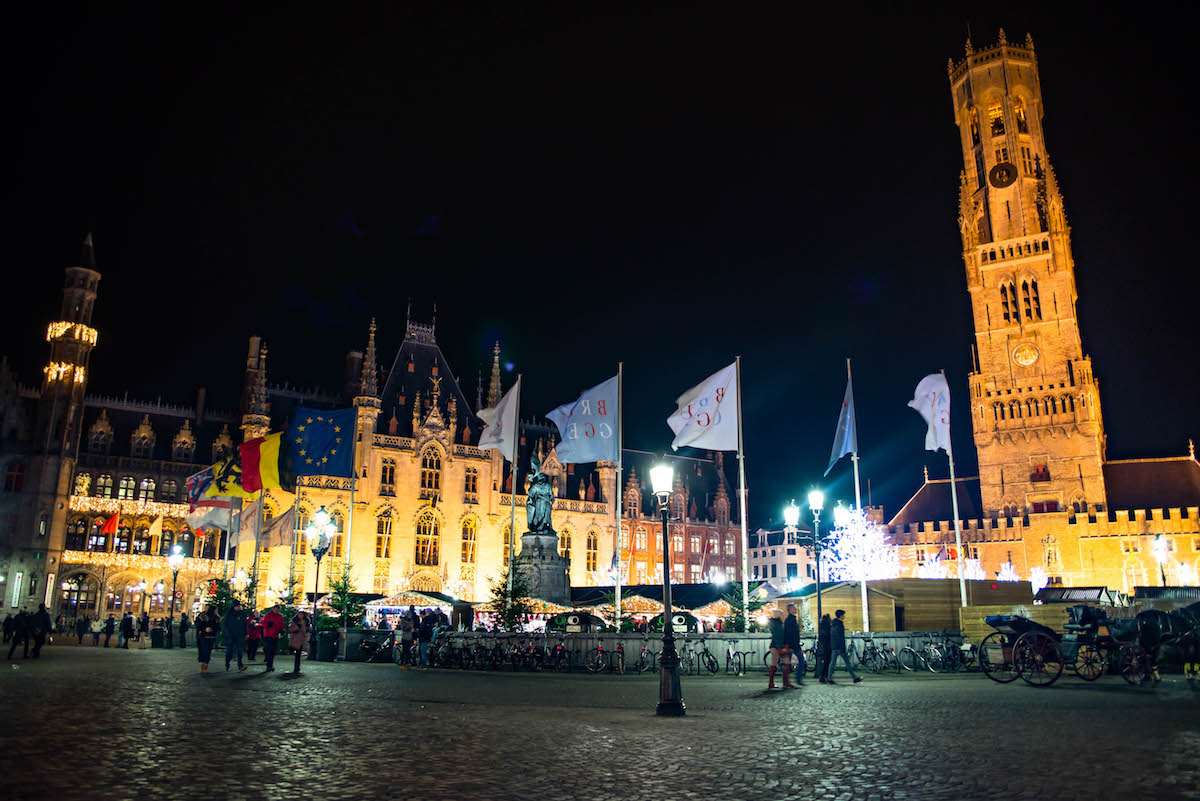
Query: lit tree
x=856 y=546
x=1037 y=577
x=935 y=568
x=974 y=570
x=1008 y=573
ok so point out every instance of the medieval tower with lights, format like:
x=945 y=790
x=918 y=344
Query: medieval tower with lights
x=1035 y=406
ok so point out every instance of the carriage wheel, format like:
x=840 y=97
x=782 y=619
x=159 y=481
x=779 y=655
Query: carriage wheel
x=1133 y=662
x=995 y=658
x=1039 y=658
x=1089 y=663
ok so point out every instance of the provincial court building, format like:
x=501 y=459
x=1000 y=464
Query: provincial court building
x=1047 y=500
x=427 y=511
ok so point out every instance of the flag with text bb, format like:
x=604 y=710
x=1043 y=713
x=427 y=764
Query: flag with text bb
x=322 y=442
x=588 y=425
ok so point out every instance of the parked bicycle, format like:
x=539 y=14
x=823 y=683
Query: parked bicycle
x=599 y=659
x=647 y=659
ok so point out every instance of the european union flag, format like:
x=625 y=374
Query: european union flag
x=322 y=442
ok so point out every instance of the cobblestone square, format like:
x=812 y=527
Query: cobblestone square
x=95 y=723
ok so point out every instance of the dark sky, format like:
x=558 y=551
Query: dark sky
x=667 y=188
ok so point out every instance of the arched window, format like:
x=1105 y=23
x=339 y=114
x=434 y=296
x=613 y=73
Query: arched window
x=1053 y=404
x=77 y=533
x=1014 y=409
x=1019 y=114
x=101 y=442
x=1037 y=300
x=80 y=595
x=998 y=411
x=97 y=542
x=1028 y=300
x=1031 y=408
x=1079 y=506
x=472 y=481
x=147 y=489
x=169 y=491
x=383 y=536
x=470 y=532
x=677 y=543
x=973 y=121
x=996 y=117
x=1068 y=403
x=14 y=477
x=640 y=543
x=126 y=489
x=506 y=543
x=593 y=550
x=431 y=470
x=564 y=542
x=427 y=539
x=165 y=542
x=122 y=542
x=104 y=486
x=142 y=447
x=677 y=506
x=182 y=450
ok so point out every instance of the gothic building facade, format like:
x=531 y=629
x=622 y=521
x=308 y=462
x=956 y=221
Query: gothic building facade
x=426 y=510
x=1047 y=502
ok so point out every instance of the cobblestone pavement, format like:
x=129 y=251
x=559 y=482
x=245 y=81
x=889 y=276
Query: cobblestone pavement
x=91 y=723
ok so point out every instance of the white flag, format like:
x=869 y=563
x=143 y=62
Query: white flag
x=707 y=413
x=248 y=523
x=279 y=530
x=587 y=426
x=501 y=422
x=932 y=401
x=209 y=513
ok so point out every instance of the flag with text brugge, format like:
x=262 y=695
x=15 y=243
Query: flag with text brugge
x=707 y=413
x=501 y=423
x=932 y=402
x=588 y=425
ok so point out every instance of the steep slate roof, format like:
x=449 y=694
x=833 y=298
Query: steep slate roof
x=1152 y=483
x=420 y=349
x=933 y=503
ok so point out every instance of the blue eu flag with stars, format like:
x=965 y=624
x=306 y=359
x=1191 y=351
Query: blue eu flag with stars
x=322 y=442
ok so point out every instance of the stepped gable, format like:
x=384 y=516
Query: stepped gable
x=125 y=416
x=932 y=503
x=419 y=360
x=1152 y=483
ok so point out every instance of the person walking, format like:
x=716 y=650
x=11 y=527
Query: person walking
x=20 y=633
x=299 y=630
x=792 y=648
x=127 y=630
x=81 y=628
x=143 y=636
x=41 y=626
x=406 y=641
x=272 y=626
x=97 y=627
x=837 y=641
x=775 y=627
x=253 y=635
x=234 y=628
x=110 y=628
x=184 y=625
x=8 y=627
x=823 y=648
x=208 y=626
x=425 y=636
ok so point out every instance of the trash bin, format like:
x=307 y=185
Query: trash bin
x=156 y=638
x=327 y=646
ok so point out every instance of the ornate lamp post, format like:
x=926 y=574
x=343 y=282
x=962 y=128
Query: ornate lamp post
x=175 y=560
x=670 y=695
x=320 y=533
x=816 y=500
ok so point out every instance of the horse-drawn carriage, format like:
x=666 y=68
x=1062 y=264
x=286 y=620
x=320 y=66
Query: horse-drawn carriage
x=1037 y=654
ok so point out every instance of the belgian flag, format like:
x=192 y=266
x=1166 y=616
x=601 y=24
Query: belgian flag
x=267 y=464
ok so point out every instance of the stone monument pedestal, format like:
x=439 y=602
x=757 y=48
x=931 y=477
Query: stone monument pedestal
x=544 y=569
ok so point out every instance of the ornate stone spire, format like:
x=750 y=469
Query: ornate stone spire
x=1003 y=39
x=494 y=391
x=369 y=385
x=1191 y=449
x=632 y=482
x=1029 y=40
x=416 y=420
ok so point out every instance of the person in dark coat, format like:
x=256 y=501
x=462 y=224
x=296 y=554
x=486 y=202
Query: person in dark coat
x=110 y=628
x=8 y=627
x=823 y=648
x=253 y=635
x=143 y=636
x=41 y=627
x=20 y=634
x=184 y=625
x=208 y=626
x=837 y=648
x=775 y=626
x=234 y=628
x=127 y=629
x=81 y=628
x=425 y=636
x=791 y=642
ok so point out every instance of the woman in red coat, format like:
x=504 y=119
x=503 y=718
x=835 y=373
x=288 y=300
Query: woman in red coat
x=272 y=627
x=253 y=635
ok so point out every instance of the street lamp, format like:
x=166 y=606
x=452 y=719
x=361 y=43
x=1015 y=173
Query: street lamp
x=175 y=560
x=1159 y=549
x=670 y=695
x=320 y=533
x=816 y=500
x=141 y=587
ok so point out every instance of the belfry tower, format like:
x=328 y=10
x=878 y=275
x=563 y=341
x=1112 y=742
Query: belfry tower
x=1035 y=405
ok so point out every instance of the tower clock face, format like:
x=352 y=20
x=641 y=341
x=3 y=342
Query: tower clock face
x=1002 y=175
x=1025 y=355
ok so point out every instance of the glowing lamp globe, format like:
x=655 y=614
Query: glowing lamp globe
x=1159 y=549
x=791 y=515
x=321 y=518
x=661 y=478
x=841 y=515
x=816 y=500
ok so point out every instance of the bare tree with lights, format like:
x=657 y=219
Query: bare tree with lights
x=856 y=546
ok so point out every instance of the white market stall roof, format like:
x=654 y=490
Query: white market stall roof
x=403 y=600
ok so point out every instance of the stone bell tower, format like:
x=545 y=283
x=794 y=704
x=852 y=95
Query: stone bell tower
x=1035 y=404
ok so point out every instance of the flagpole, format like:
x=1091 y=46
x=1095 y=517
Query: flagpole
x=742 y=486
x=512 y=498
x=291 y=585
x=228 y=535
x=257 y=546
x=862 y=556
x=620 y=463
x=962 y=581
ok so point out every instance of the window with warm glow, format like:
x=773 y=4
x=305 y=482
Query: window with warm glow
x=470 y=532
x=593 y=548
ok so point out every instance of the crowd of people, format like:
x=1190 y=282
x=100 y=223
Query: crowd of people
x=787 y=652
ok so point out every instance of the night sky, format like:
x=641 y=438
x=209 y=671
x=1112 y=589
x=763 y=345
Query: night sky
x=660 y=187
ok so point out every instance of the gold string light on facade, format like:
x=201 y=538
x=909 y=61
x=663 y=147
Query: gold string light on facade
x=141 y=562
x=67 y=330
x=109 y=506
